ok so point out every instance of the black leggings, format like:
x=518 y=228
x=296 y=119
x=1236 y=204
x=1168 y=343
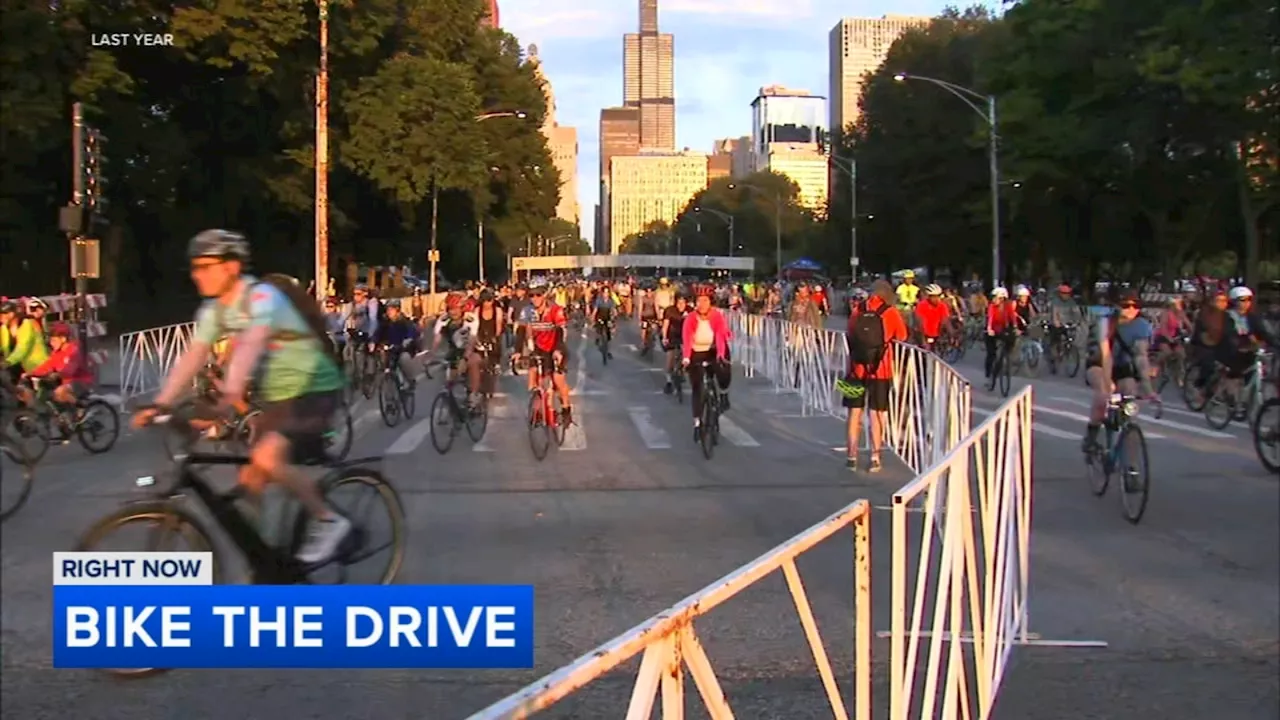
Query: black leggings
x=991 y=341
x=721 y=369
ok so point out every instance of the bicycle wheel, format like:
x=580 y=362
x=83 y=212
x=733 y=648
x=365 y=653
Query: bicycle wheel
x=1033 y=358
x=443 y=424
x=707 y=426
x=360 y=545
x=478 y=419
x=1006 y=376
x=168 y=524
x=16 y=479
x=539 y=433
x=1219 y=409
x=1266 y=436
x=28 y=435
x=560 y=421
x=408 y=400
x=1095 y=464
x=677 y=381
x=341 y=434
x=604 y=350
x=1195 y=397
x=98 y=426
x=1071 y=361
x=389 y=401
x=1135 y=474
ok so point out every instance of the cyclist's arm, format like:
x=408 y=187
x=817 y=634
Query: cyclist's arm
x=1143 y=362
x=371 y=312
x=1104 y=347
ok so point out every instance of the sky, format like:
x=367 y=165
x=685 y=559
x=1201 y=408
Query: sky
x=725 y=51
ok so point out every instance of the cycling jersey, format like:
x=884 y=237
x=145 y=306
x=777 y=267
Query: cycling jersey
x=908 y=293
x=296 y=362
x=29 y=350
x=546 y=327
x=663 y=298
x=363 y=317
x=932 y=313
x=1000 y=317
x=604 y=301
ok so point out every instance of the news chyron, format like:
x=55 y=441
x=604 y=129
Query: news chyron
x=162 y=610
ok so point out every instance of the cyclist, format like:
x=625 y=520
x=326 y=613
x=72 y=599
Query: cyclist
x=664 y=297
x=490 y=325
x=28 y=345
x=542 y=335
x=1246 y=331
x=1001 y=327
x=299 y=381
x=908 y=292
x=398 y=334
x=10 y=323
x=1117 y=359
x=705 y=338
x=933 y=315
x=1173 y=326
x=647 y=310
x=66 y=370
x=458 y=329
x=1063 y=311
x=603 y=306
x=804 y=311
x=673 y=336
x=362 y=323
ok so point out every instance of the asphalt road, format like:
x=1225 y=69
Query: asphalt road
x=628 y=518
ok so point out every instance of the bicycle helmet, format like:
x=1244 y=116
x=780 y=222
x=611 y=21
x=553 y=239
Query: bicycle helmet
x=1000 y=293
x=60 y=329
x=1064 y=288
x=932 y=290
x=704 y=290
x=35 y=303
x=1240 y=293
x=220 y=244
x=392 y=303
x=909 y=275
x=486 y=295
x=1022 y=291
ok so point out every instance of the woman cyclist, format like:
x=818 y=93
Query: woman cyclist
x=1002 y=322
x=705 y=338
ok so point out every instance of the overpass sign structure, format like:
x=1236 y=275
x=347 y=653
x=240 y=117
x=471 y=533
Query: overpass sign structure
x=603 y=262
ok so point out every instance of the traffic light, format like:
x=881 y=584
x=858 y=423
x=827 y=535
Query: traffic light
x=95 y=182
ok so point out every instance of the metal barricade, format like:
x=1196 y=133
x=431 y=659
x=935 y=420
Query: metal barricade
x=670 y=643
x=147 y=356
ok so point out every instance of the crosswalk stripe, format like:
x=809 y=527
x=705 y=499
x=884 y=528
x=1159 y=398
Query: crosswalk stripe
x=411 y=438
x=1038 y=427
x=654 y=437
x=575 y=438
x=732 y=432
x=1203 y=432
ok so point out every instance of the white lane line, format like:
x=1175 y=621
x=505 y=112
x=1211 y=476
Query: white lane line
x=732 y=432
x=575 y=438
x=1083 y=419
x=1038 y=427
x=653 y=436
x=411 y=438
x=1203 y=432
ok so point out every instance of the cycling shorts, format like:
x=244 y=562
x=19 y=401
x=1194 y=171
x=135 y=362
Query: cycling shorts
x=303 y=421
x=543 y=360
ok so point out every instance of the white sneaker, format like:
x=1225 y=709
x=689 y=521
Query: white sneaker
x=323 y=538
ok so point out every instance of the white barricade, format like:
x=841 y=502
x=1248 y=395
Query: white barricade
x=670 y=643
x=976 y=577
x=147 y=356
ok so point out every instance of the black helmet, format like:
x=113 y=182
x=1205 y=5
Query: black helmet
x=219 y=244
x=486 y=295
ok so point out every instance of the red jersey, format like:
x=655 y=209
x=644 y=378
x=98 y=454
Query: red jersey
x=932 y=313
x=1001 y=316
x=67 y=362
x=547 y=327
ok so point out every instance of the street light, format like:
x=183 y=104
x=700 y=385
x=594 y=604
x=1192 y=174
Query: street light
x=518 y=114
x=725 y=217
x=777 y=219
x=851 y=169
x=968 y=96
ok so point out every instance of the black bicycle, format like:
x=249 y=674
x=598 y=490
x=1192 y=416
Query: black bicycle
x=604 y=332
x=450 y=413
x=1266 y=435
x=1124 y=450
x=91 y=420
x=396 y=399
x=648 y=334
x=708 y=432
x=1001 y=368
x=17 y=475
x=1063 y=353
x=168 y=517
x=676 y=378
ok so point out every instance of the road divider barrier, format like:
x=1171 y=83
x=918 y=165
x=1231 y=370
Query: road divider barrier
x=147 y=356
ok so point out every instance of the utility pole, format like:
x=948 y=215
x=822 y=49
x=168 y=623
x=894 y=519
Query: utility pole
x=322 y=156
x=853 y=219
x=78 y=218
x=433 y=257
x=480 y=245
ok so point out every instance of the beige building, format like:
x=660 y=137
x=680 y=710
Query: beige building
x=788 y=137
x=857 y=46
x=562 y=141
x=650 y=187
x=738 y=150
x=648 y=80
x=805 y=166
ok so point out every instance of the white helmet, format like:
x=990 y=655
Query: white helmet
x=1022 y=290
x=1000 y=293
x=932 y=290
x=1239 y=293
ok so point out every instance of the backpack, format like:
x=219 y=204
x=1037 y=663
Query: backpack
x=866 y=336
x=305 y=305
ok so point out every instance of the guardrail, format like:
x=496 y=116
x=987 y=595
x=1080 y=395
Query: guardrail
x=670 y=643
x=147 y=356
x=980 y=576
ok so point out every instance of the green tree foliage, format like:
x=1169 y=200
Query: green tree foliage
x=1135 y=139
x=219 y=129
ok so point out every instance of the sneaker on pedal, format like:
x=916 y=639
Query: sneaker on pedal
x=324 y=535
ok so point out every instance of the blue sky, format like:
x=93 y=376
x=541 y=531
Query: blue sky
x=725 y=51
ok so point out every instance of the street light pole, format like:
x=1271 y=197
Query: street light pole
x=480 y=239
x=322 y=158
x=852 y=171
x=968 y=95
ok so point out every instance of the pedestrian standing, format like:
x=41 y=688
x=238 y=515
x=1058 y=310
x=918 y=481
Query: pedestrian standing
x=874 y=324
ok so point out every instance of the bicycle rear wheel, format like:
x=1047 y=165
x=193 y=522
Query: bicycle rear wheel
x=167 y=525
x=1135 y=473
x=359 y=546
x=1095 y=466
x=539 y=432
x=16 y=479
x=1070 y=361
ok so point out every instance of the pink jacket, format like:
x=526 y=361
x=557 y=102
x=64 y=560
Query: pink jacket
x=719 y=326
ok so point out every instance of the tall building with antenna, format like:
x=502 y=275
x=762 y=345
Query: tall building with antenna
x=648 y=81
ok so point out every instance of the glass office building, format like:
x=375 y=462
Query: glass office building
x=788 y=118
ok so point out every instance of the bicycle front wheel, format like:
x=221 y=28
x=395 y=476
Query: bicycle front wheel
x=389 y=401
x=539 y=431
x=98 y=426
x=1266 y=436
x=443 y=423
x=1071 y=361
x=28 y=435
x=1006 y=377
x=16 y=479
x=1135 y=473
x=1219 y=409
x=165 y=528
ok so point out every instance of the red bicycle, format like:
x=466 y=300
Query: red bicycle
x=547 y=419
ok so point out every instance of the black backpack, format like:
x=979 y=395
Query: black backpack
x=866 y=337
x=305 y=305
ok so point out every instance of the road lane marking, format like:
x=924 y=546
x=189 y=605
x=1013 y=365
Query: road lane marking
x=1038 y=427
x=410 y=439
x=732 y=432
x=653 y=436
x=575 y=438
x=1203 y=432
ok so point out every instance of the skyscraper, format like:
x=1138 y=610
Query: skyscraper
x=619 y=136
x=857 y=46
x=788 y=138
x=562 y=141
x=491 y=19
x=649 y=80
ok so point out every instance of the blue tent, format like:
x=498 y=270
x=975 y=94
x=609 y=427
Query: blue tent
x=802 y=264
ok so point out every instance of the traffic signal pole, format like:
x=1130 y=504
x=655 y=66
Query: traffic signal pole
x=78 y=136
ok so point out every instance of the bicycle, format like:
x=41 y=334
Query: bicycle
x=648 y=334
x=1063 y=353
x=447 y=410
x=169 y=516
x=676 y=377
x=90 y=419
x=1124 y=447
x=708 y=431
x=547 y=419
x=1240 y=401
x=1026 y=355
x=26 y=432
x=1266 y=435
x=22 y=484
x=604 y=331
x=1172 y=367
x=1001 y=368
x=396 y=399
x=364 y=368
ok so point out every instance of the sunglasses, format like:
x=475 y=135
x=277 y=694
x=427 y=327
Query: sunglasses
x=1128 y=306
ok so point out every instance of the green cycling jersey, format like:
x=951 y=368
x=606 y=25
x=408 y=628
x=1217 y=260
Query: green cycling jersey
x=28 y=346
